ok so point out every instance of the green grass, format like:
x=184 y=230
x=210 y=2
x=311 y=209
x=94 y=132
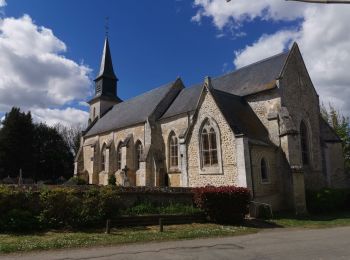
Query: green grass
x=146 y=207
x=321 y=221
x=53 y=240
x=67 y=239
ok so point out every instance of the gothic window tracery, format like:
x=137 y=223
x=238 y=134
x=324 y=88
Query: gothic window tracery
x=304 y=143
x=119 y=157
x=209 y=149
x=103 y=158
x=173 y=151
x=139 y=152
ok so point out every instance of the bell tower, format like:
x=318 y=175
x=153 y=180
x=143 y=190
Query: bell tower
x=105 y=86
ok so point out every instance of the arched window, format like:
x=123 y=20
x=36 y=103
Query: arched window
x=119 y=156
x=264 y=174
x=103 y=158
x=209 y=151
x=304 y=143
x=139 y=152
x=173 y=150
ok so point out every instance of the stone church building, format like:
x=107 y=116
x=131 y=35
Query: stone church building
x=258 y=127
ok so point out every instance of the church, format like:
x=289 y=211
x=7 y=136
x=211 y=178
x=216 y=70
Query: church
x=258 y=127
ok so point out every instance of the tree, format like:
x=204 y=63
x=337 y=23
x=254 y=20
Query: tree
x=39 y=150
x=16 y=144
x=53 y=155
x=341 y=126
x=71 y=135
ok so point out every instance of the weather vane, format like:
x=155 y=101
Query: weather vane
x=107 y=26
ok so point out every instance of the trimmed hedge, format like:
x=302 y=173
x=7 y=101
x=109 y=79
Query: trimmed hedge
x=25 y=210
x=328 y=200
x=226 y=204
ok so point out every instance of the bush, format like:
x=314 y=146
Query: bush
x=112 y=180
x=17 y=220
x=147 y=207
x=76 y=181
x=60 y=208
x=23 y=210
x=328 y=200
x=18 y=210
x=226 y=204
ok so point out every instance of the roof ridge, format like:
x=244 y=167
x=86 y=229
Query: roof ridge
x=252 y=64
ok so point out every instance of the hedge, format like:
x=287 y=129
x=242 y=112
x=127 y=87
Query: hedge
x=25 y=210
x=225 y=204
x=328 y=200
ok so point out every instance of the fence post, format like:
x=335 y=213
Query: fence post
x=108 y=226
x=160 y=225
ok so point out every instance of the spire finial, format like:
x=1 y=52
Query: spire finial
x=106 y=26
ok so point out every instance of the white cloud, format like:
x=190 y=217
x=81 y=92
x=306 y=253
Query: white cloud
x=34 y=74
x=68 y=116
x=2 y=3
x=238 y=11
x=324 y=41
x=322 y=34
x=266 y=46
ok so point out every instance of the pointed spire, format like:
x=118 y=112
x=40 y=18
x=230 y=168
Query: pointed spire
x=106 y=69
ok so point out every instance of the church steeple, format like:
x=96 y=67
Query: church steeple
x=106 y=68
x=105 y=86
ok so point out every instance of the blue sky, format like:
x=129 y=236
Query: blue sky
x=154 y=41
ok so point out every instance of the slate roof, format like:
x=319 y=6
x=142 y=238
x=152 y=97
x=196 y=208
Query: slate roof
x=240 y=115
x=253 y=78
x=327 y=132
x=248 y=80
x=186 y=101
x=130 y=112
x=106 y=67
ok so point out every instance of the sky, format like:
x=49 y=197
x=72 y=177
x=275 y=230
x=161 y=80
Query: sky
x=51 y=50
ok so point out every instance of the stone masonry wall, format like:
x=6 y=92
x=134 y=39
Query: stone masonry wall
x=271 y=191
x=116 y=137
x=300 y=98
x=228 y=174
x=177 y=125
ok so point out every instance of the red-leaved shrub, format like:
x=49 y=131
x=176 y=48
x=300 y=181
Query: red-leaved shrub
x=225 y=204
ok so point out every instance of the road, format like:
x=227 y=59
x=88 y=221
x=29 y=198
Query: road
x=320 y=244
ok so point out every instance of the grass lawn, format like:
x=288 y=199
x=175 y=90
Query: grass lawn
x=54 y=240
x=67 y=239
x=321 y=221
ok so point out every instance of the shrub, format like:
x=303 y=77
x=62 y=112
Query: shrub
x=112 y=180
x=76 y=181
x=328 y=200
x=18 y=209
x=226 y=204
x=17 y=220
x=60 y=208
x=147 y=207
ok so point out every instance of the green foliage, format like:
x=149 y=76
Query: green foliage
x=226 y=204
x=76 y=181
x=147 y=207
x=16 y=144
x=23 y=210
x=53 y=156
x=39 y=150
x=112 y=180
x=328 y=200
x=341 y=126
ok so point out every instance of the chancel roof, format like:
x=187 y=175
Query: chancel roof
x=248 y=80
